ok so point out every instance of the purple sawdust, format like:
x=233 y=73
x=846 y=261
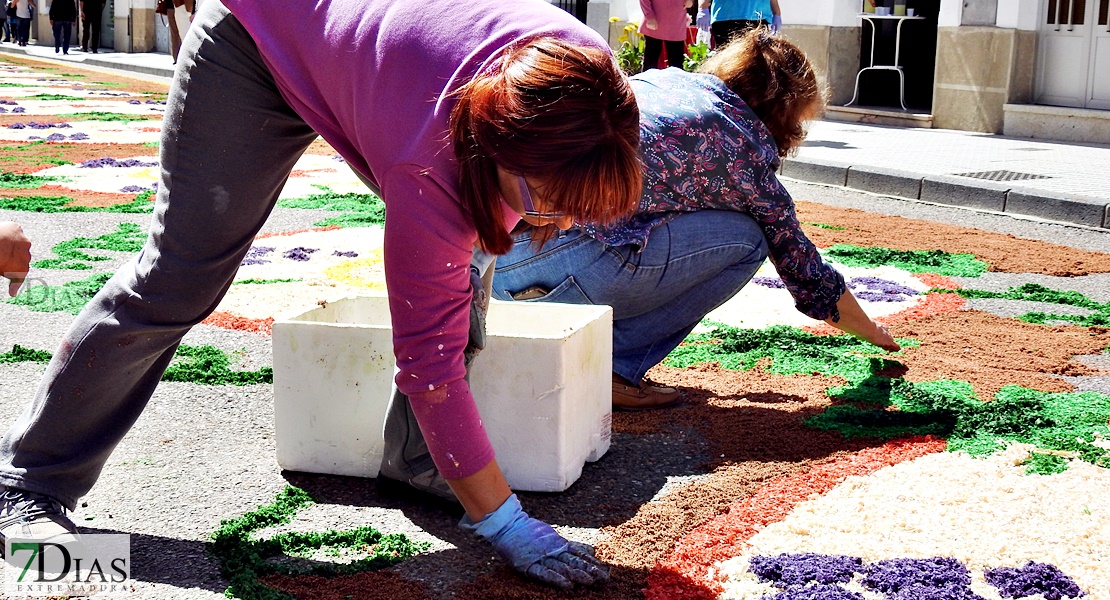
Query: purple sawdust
x=299 y=253
x=3 y=110
x=895 y=574
x=55 y=137
x=79 y=136
x=19 y=109
x=879 y=297
x=255 y=254
x=154 y=102
x=133 y=188
x=879 y=284
x=924 y=592
x=8 y=102
x=799 y=569
x=134 y=102
x=339 y=158
x=347 y=253
x=769 y=282
x=96 y=163
x=1033 y=578
x=17 y=126
x=816 y=592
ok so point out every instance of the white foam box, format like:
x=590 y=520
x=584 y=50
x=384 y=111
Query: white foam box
x=542 y=384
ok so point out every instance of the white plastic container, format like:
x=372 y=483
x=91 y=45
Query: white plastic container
x=542 y=384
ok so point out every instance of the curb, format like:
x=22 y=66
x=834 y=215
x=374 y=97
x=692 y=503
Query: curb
x=1074 y=209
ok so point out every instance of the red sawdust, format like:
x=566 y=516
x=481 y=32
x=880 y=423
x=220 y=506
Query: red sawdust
x=77 y=197
x=937 y=281
x=990 y=352
x=319 y=146
x=369 y=585
x=683 y=573
x=1003 y=252
x=285 y=233
x=238 y=322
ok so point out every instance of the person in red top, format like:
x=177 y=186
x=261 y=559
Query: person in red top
x=665 y=24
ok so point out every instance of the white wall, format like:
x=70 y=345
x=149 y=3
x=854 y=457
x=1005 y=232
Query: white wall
x=837 y=13
x=1019 y=14
x=951 y=12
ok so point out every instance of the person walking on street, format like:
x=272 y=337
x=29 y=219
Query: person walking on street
x=732 y=18
x=15 y=255
x=664 y=25
x=91 y=14
x=180 y=15
x=526 y=117
x=24 y=11
x=10 y=26
x=62 y=15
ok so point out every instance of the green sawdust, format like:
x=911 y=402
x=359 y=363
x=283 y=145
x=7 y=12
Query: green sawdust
x=34 y=154
x=12 y=84
x=360 y=210
x=1060 y=425
x=790 y=349
x=153 y=144
x=1033 y=292
x=202 y=365
x=57 y=204
x=109 y=116
x=244 y=560
x=824 y=226
x=59 y=97
x=71 y=255
x=207 y=365
x=914 y=261
x=265 y=281
x=20 y=354
x=23 y=180
x=69 y=297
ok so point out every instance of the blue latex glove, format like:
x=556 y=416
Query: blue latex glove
x=703 y=19
x=776 y=23
x=535 y=549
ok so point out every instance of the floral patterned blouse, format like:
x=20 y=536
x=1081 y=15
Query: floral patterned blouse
x=704 y=148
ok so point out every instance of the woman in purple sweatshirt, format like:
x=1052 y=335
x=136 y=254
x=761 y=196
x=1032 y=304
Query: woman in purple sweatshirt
x=464 y=116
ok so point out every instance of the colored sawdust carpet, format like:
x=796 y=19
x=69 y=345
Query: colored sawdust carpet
x=802 y=464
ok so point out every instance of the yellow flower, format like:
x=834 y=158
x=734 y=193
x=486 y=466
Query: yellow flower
x=623 y=39
x=614 y=19
x=629 y=27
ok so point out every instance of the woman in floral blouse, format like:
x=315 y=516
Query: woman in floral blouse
x=711 y=211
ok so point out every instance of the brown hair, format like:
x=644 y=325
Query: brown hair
x=556 y=112
x=774 y=77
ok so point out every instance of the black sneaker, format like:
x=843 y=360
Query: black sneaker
x=29 y=515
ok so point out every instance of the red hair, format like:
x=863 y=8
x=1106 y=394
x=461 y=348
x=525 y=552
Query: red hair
x=557 y=112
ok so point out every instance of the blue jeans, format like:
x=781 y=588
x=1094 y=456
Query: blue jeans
x=688 y=267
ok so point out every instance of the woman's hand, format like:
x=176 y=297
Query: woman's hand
x=856 y=322
x=652 y=24
x=15 y=255
x=533 y=548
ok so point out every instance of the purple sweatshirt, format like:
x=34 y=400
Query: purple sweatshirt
x=373 y=78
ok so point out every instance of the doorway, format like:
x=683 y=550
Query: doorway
x=1073 y=60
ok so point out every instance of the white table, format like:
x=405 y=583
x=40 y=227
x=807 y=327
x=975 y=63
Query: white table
x=871 y=18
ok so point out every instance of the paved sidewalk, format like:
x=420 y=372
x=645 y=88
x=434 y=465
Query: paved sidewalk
x=1054 y=181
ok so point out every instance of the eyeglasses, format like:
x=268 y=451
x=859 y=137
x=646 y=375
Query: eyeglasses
x=529 y=208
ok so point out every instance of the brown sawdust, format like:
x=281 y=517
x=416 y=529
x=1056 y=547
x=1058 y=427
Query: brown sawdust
x=79 y=197
x=369 y=585
x=29 y=158
x=990 y=352
x=1005 y=253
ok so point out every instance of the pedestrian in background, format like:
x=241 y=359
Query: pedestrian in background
x=62 y=15
x=15 y=255
x=91 y=13
x=9 y=20
x=24 y=10
x=665 y=24
x=732 y=18
x=178 y=19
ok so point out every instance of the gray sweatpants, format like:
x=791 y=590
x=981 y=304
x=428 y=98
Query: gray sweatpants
x=229 y=142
